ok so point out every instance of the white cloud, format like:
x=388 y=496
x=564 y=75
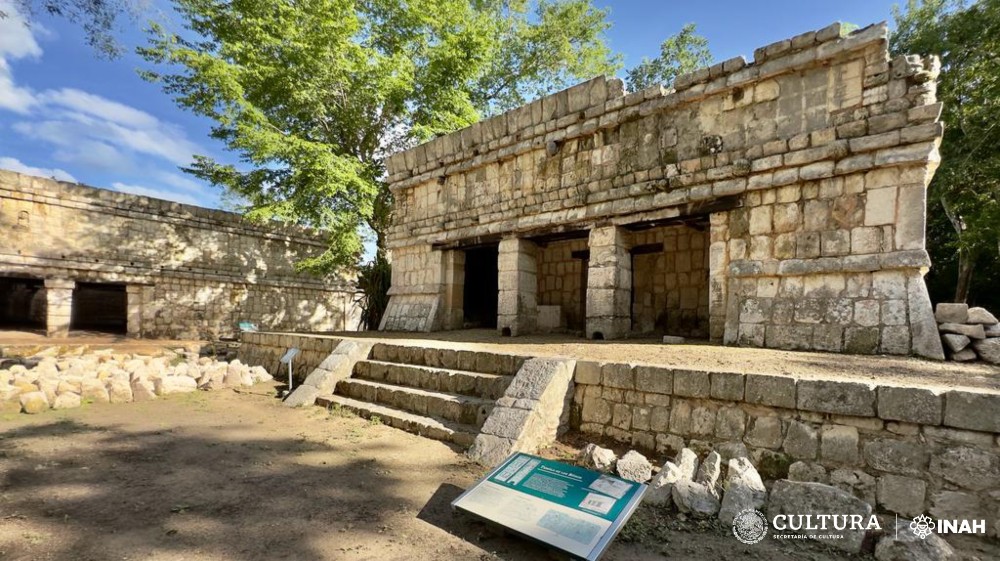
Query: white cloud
x=155 y=193
x=14 y=164
x=97 y=106
x=17 y=39
x=16 y=42
x=81 y=129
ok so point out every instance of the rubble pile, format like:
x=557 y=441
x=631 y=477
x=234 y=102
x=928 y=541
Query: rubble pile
x=968 y=333
x=51 y=382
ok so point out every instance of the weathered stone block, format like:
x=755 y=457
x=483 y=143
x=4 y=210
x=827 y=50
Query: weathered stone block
x=839 y=444
x=692 y=383
x=727 y=385
x=654 y=379
x=844 y=398
x=588 y=372
x=617 y=375
x=801 y=441
x=912 y=405
x=896 y=456
x=970 y=331
x=775 y=391
x=730 y=423
x=765 y=432
x=967 y=467
x=792 y=497
x=902 y=495
x=981 y=316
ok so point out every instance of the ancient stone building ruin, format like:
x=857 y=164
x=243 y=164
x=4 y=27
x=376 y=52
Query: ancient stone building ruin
x=778 y=203
x=75 y=257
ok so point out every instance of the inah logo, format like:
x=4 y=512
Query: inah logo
x=922 y=526
x=749 y=526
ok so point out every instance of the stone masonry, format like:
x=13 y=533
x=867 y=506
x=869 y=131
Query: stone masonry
x=183 y=271
x=801 y=177
x=905 y=448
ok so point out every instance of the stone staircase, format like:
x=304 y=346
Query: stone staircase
x=444 y=394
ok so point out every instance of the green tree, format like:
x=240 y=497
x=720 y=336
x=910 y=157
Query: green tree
x=964 y=197
x=682 y=52
x=100 y=19
x=313 y=94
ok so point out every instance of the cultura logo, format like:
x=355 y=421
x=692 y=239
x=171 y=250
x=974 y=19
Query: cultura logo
x=922 y=526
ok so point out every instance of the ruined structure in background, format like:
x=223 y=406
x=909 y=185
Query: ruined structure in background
x=77 y=257
x=777 y=204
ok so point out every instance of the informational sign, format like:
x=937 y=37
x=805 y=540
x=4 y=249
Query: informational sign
x=572 y=509
x=287 y=358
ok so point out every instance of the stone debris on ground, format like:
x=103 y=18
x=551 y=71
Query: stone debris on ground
x=968 y=333
x=596 y=458
x=48 y=381
x=633 y=466
x=711 y=487
x=902 y=544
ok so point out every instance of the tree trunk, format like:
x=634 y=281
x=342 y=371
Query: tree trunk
x=966 y=266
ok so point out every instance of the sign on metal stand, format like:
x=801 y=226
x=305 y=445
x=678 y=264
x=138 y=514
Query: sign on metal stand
x=574 y=510
x=287 y=359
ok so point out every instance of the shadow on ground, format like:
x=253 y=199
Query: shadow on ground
x=162 y=492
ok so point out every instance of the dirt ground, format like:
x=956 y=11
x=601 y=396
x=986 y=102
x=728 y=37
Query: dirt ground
x=27 y=342
x=235 y=476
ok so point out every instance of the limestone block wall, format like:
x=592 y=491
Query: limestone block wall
x=266 y=350
x=670 y=290
x=189 y=272
x=561 y=280
x=809 y=166
x=909 y=450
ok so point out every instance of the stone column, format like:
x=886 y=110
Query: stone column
x=718 y=265
x=609 y=284
x=58 y=306
x=454 y=289
x=517 y=298
x=133 y=293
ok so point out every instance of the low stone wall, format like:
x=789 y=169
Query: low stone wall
x=907 y=449
x=266 y=349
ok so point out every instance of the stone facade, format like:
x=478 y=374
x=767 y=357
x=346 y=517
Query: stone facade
x=798 y=180
x=185 y=272
x=907 y=449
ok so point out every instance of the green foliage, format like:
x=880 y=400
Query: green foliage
x=313 y=94
x=967 y=185
x=374 y=280
x=679 y=53
x=99 y=18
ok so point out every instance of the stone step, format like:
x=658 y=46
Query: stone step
x=453 y=407
x=421 y=425
x=452 y=359
x=477 y=384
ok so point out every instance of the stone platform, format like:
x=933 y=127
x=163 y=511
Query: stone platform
x=908 y=435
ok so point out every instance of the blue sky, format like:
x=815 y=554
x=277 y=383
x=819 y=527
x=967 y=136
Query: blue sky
x=64 y=112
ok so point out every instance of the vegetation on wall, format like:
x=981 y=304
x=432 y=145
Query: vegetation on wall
x=963 y=204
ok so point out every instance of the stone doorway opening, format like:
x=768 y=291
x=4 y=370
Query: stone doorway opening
x=22 y=303
x=562 y=284
x=481 y=286
x=670 y=288
x=100 y=307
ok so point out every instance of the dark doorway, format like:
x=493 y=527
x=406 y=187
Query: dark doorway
x=22 y=303
x=481 y=286
x=100 y=307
